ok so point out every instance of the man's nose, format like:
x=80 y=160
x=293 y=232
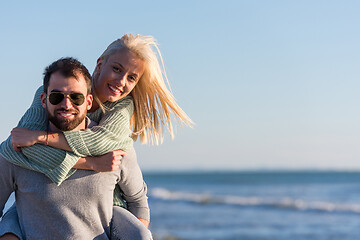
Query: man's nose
x=66 y=103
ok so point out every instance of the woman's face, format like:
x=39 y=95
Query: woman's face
x=117 y=75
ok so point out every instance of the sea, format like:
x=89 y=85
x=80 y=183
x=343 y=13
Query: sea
x=254 y=205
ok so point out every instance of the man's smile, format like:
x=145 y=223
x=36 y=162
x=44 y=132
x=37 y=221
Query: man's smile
x=66 y=113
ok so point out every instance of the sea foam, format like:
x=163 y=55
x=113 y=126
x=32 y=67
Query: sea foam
x=282 y=202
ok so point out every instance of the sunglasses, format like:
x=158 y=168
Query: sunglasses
x=57 y=97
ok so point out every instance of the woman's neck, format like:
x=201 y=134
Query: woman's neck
x=95 y=106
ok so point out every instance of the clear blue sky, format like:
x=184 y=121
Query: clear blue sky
x=270 y=84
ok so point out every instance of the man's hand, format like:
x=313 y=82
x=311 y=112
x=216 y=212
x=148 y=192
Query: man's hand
x=23 y=137
x=105 y=163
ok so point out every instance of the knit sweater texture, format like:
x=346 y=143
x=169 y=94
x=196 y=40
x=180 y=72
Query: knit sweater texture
x=80 y=208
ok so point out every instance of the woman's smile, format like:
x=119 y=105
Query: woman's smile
x=114 y=89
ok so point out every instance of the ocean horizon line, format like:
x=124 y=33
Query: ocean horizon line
x=245 y=171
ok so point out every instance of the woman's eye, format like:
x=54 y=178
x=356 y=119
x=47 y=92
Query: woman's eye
x=132 y=78
x=116 y=69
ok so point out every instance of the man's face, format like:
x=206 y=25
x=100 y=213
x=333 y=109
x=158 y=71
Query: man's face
x=67 y=114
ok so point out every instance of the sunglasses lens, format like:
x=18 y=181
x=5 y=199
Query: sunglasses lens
x=55 y=98
x=77 y=98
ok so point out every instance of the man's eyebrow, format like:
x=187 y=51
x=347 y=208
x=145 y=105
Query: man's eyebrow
x=56 y=91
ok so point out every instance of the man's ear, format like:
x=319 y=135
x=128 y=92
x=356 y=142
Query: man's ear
x=43 y=99
x=89 y=101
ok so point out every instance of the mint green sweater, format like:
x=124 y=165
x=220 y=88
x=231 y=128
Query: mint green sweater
x=112 y=133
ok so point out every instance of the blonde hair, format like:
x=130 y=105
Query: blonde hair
x=154 y=103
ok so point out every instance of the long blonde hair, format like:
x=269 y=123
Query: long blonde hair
x=154 y=103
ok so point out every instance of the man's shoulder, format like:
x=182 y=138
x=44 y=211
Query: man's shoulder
x=5 y=164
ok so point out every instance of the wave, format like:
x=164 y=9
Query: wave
x=285 y=202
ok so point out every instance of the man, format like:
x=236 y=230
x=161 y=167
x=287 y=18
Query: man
x=81 y=207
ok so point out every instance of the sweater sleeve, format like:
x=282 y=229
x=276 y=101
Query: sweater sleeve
x=55 y=163
x=133 y=186
x=112 y=133
x=7 y=182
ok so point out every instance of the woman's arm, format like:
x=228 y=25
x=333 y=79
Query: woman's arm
x=57 y=164
x=24 y=137
x=112 y=133
x=105 y=163
x=54 y=163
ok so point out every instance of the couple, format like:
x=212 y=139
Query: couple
x=127 y=80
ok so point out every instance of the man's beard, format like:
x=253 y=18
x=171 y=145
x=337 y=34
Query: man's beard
x=64 y=124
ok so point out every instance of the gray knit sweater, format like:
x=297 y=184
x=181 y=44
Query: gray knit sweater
x=70 y=211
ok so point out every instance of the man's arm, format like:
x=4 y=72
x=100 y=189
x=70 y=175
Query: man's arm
x=7 y=182
x=134 y=188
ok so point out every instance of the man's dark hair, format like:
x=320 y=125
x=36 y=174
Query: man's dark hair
x=68 y=67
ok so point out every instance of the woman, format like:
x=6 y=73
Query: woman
x=128 y=67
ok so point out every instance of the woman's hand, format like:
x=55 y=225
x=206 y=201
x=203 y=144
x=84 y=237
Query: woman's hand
x=108 y=162
x=105 y=163
x=24 y=137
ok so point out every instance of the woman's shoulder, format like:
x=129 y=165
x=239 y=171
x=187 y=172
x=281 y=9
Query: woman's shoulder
x=36 y=103
x=111 y=108
x=122 y=103
x=39 y=91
